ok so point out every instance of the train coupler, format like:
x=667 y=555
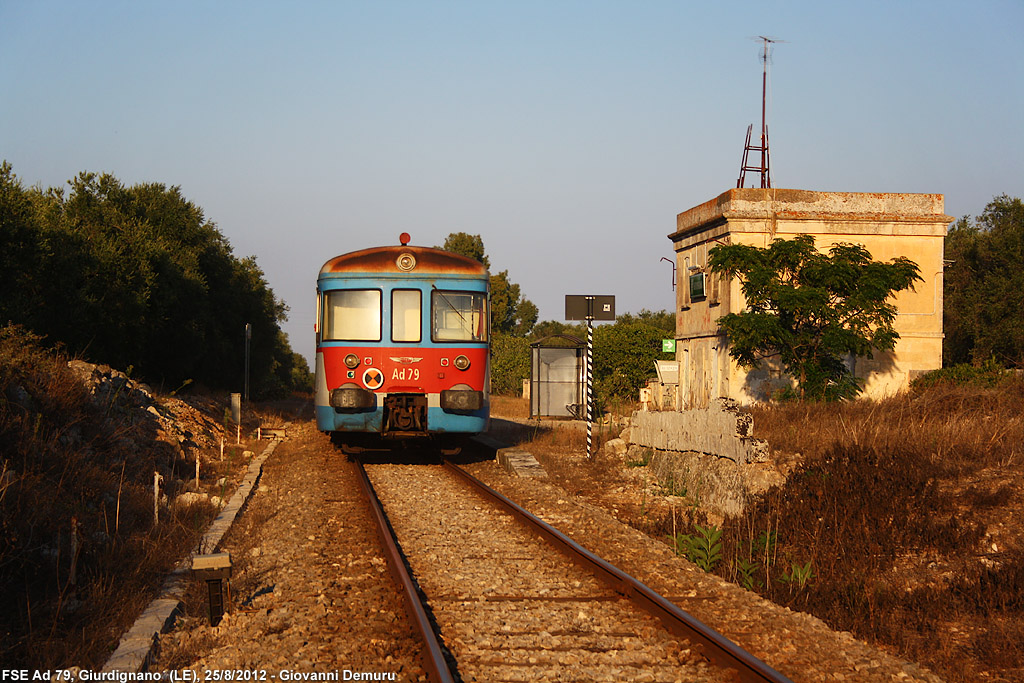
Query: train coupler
x=405 y=415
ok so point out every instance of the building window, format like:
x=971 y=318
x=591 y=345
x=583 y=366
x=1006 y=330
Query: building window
x=697 y=286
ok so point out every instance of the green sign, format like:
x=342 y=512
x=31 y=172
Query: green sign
x=668 y=345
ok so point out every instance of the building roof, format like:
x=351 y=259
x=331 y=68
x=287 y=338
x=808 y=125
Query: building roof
x=749 y=209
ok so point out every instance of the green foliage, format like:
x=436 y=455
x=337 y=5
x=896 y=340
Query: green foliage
x=624 y=355
x=989 y=374
x=746 y=573
x=510 y=312
x=703 y=548
x=661 y=320
x=137 y=276
x=764 y=545
x=468 y=245
x=510 y=363
x=798 y=575
x=983 y=281
x=810 y=309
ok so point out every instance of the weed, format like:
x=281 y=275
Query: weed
x=746 y=573
x=703 y=548
x=798 y=575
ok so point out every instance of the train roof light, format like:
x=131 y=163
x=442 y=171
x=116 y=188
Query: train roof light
x=404 y=238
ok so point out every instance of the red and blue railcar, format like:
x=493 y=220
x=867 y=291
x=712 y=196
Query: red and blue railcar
x=402 y=344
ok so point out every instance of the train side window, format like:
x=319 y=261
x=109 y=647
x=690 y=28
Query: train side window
x=459 y=316
x=406 y=305
x=352 y=315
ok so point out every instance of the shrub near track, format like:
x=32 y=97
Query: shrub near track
x=906 y=515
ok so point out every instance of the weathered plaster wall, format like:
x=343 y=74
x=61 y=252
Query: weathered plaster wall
x=886 y=224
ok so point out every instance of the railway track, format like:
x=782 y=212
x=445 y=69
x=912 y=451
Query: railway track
x=508 y=608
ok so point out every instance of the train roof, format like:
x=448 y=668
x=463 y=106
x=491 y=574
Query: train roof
x=404 y=260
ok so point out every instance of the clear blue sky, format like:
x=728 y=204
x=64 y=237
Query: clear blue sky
x=568 y=134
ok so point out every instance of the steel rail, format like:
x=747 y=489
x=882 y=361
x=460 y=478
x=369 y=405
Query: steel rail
x=433 y=656
x=716 y=647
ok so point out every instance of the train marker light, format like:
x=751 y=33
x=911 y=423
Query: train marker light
x=405 y=262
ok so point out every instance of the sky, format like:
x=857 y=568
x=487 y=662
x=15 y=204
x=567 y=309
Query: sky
x=568 y=134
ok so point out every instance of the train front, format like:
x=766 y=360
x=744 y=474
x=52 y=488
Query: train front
x=402 y=344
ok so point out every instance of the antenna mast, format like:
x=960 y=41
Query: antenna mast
x=765 y=168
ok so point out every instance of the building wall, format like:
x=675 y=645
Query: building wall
x=887 y=225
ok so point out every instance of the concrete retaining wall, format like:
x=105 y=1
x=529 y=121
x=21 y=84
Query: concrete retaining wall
x=708 y=455
x=720 y=430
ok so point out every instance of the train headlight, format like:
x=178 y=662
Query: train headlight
x=461 y=399
x=461 y=362
x=351 y=361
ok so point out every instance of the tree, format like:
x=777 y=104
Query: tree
x=467 y=245
x=135 y=276
x=662 y=320
x=510 y=312
x=982 y=316
x=810 y=309
x=624 y=355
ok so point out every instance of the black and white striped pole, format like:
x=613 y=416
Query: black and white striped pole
x=590 y=388
x=589 y=308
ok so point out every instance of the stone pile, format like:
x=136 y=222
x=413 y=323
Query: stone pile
x=178 y=423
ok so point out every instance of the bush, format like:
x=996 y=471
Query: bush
x=510 y=364
x=988 y=374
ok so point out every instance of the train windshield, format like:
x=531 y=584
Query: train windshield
x=352 y=315
x=459 y=316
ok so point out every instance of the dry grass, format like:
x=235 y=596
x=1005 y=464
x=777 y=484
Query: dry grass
x=510 y=406
x=67 y=458
x=909 y=511
x=908 y=514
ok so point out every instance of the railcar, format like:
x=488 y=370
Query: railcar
x=402 y=346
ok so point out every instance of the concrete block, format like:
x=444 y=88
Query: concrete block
x=719 y=430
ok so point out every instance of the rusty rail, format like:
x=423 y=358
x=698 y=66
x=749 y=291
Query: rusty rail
x=716 y=647
x=433 y=657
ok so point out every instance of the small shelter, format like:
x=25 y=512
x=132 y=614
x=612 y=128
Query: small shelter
x=557 y=377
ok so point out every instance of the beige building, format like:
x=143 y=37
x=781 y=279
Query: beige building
x=887 y=225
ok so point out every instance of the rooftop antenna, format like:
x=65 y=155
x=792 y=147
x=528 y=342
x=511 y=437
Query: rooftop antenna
x=765 y=168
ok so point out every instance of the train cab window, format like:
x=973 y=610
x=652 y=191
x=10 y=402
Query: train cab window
x=459 y=316
x=405 y=315
x=352 y=315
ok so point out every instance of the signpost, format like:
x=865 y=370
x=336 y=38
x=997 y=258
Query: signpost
x=248 y=338
x=589 y=308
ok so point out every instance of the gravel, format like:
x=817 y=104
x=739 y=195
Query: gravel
x=312 y=592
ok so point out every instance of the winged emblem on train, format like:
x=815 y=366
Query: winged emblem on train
x=405 y=360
